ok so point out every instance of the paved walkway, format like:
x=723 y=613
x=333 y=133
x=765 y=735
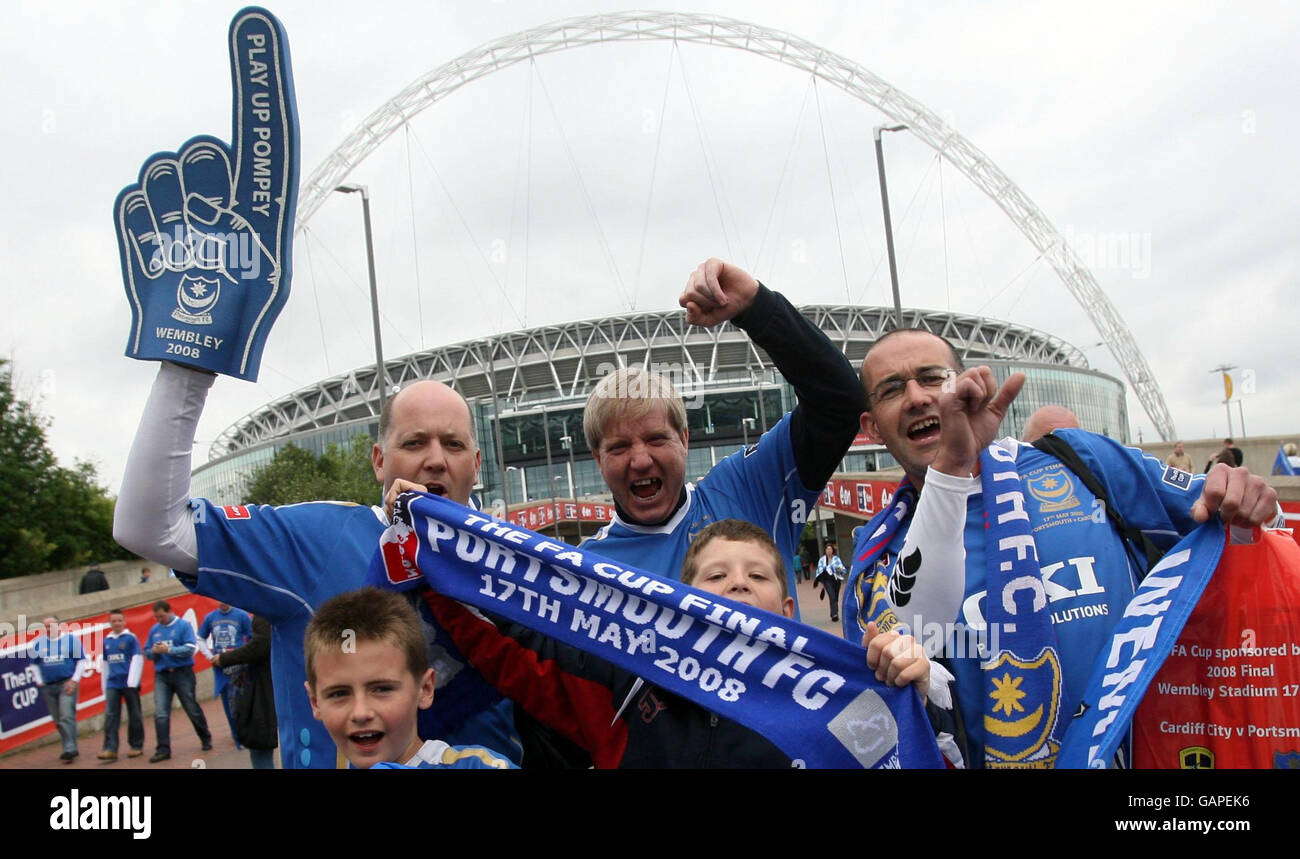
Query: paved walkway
x=185 y=748
x=815 y=610
x=224 y=755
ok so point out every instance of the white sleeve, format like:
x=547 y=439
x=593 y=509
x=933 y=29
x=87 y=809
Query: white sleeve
x=941 y=683
x=134 y=671
x=929 y=579
x=152 y=517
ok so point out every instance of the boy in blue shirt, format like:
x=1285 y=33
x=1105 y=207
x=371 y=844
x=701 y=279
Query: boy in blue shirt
x=227 y=628
x=368 y=676
x=621 y=720
x=123 y=665
x=171 y=646
x=60 y=662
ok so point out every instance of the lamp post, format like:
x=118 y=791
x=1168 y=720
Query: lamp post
x=555 y=506
x=889 y=227
x=381 y=371
x=567 y=441
x=550 y=475
x=523 y=482
x=747 y=424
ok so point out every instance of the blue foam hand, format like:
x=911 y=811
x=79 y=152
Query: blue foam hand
x=206 y=234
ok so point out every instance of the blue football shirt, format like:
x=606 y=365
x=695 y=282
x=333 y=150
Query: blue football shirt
x=760 y=484
x=281 y=562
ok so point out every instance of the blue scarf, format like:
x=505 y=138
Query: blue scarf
x=1023 y=723
x=865 y=597
x=808 y=692
x=1022 y=708
x=1139 y=645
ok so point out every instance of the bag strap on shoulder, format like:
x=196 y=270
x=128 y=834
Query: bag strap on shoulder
x=1141 y=549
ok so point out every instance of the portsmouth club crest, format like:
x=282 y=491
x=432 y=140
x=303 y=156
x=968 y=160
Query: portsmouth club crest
x=1053 y=490
x=195 y=298
x=1021 y=710
x=1286 y=760
x=879 y=607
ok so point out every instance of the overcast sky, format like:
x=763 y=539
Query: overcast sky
x=1159 y=138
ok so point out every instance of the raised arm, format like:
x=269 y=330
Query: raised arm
x=153 y=517
x=825 y=422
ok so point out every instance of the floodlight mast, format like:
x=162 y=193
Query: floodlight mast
x=889 y=227
x=382 y=375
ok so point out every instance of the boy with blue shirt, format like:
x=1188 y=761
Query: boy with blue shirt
x=226 y=627
x=171 y=645
x=60 y=663
x=621 y=720
x=123 y=665
x=368 y=676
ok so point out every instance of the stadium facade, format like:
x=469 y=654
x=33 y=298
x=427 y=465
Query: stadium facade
x=527 y=389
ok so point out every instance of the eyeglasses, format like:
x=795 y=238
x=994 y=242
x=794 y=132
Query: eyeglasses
x=891 y=389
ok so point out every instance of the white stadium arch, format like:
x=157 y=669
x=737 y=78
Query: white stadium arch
x=789 y=50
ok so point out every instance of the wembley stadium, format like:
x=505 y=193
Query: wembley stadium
x=527 y=388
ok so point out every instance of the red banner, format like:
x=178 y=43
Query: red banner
x=23 y=715
x=1291 y=509
x=546 y=513
x=863 y=498
x=1228 y=696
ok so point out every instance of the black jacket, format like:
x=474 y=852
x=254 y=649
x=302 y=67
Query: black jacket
x=254 y=703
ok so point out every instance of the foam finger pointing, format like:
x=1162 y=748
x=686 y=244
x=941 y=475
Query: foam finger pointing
x=265 y=125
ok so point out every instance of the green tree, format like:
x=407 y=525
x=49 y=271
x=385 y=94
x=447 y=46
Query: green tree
x=51 y=517
x=341 y=473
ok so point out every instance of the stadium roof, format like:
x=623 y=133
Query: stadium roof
x=563 y=362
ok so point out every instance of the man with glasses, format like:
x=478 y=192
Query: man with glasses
x=922 y=561
x=902 y=417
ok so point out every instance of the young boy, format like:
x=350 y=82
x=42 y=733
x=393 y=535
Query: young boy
x=123 y=665
x=623 y=721
x=368 y=675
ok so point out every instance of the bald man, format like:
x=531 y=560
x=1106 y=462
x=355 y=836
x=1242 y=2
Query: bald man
x=281 y=562
x=1047 y=419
